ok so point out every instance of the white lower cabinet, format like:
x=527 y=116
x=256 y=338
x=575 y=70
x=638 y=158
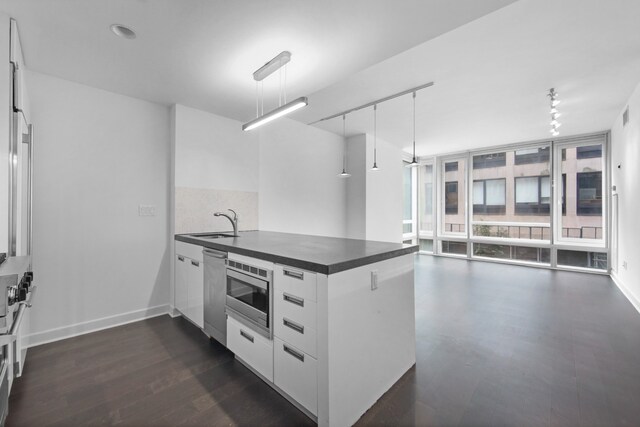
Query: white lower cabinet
x=295 y=373
x=189 y=282
x=251 y=347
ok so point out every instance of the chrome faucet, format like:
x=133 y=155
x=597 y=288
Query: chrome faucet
x=234 y=220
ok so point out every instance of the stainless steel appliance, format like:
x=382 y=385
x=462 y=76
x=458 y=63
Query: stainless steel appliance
x=16 y=295
x=215 y=319
x=250 y=296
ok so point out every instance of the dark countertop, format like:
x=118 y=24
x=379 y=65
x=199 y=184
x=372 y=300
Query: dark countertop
x=326 y=255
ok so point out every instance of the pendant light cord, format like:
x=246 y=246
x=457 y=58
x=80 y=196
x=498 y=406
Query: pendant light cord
x=414 y=127
x=375 y=139
x=344 y=137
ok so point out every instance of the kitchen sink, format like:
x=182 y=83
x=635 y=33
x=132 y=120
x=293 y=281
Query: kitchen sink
x=211 y=235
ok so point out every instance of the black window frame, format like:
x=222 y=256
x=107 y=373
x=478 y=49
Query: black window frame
x=531 y=208
x=490 y=209
x=492 y=160
x=450 y=208
x=589 y=151
x=589 y=209
x=453 y=168
x=543 y=155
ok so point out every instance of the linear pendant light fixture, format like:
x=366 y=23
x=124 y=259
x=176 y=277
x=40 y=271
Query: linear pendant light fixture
x=344 y=173
x=414 y=162
x=259 y=75
x=375 y=148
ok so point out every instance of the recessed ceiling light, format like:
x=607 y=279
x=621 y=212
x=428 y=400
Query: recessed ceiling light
x=122 y=31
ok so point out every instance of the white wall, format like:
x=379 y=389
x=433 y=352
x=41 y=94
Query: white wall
x=356 y=187
x=216 y=168
x=5 y=117
x=98 y=155
x=374 y=198
x=299 y=188
x=625 y=151
x=384 y=193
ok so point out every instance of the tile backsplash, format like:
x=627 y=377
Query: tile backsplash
x=195 y=208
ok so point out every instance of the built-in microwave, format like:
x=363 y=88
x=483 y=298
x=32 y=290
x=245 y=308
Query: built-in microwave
x=250 y=296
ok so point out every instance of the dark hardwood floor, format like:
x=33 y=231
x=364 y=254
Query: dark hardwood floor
x=496 y=345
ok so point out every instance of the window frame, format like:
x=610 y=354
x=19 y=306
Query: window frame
x=539 y=205
x=495 y=209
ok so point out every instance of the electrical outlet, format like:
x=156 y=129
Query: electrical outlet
x=146 y=210
x=374 y=280
x=624 y=264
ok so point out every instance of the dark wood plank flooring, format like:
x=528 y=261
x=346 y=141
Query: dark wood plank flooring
x=496 y=345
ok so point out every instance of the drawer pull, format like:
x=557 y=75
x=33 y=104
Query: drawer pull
x=180 y=258
x=296 y=354
x=246 y=335
x=293 y=300
x=288 y=323
x=195 y=263
x=295 y=274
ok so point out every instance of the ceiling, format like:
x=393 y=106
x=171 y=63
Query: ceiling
x=492 y=61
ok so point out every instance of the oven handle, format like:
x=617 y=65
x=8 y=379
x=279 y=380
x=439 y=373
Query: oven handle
x=248 y=279
x=12 y=335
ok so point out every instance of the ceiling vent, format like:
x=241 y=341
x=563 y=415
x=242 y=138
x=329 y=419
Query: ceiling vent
x=625 y=116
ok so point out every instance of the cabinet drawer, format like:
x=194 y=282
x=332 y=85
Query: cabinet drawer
x=251 y=347
x=295 y=324
x=296 y=282
x=190 y=251
x=295 y=373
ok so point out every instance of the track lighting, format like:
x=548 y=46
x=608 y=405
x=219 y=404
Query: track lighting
x=554 y=101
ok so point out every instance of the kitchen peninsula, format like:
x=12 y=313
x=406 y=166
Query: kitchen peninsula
x=342 y=315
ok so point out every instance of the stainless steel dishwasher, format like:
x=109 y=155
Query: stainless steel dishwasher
x=215 y=291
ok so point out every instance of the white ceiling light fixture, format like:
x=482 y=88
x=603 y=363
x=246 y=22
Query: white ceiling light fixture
x=123 y=31
x=344 y=173
x=284 y=107
x=554 y=101
x=375 y=148
x=414 y=162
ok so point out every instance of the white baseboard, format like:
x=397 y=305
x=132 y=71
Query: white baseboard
x=626 y=291
x=82 y=328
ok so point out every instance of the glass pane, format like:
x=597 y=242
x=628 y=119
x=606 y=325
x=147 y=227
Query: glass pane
x=510 y=188
x=454 y=197
x=517 y=253
x=426 y=197
x=594 y=260
x=426 y=245
x=457 y=248
x=406 y=228
x=406 y=193
x=582 y=193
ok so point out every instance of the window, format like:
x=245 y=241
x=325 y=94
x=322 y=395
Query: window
x=582 y=192
x=409 y=203
x=425 y=198
x=532 y=155
x=454 y=248
x=451 y=166
x=492 y=160
x=516 y=253
x=533 y=195
x=589 y=152
x=489 y=196
x=451 y=198
x=589 y=193
x=592 y=260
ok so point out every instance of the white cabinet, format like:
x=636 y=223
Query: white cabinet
x=295 y=372
x=195 y=293
x=295 y=342
x=251 y=347
x=182 y=283
x=189 y=282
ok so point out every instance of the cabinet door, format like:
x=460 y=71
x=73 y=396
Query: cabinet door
x=195 y=293
x=181 y=283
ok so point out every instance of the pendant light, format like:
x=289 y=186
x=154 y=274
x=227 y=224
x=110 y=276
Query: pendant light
x=375 y=148
x=344 y=173
x=414 y=162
